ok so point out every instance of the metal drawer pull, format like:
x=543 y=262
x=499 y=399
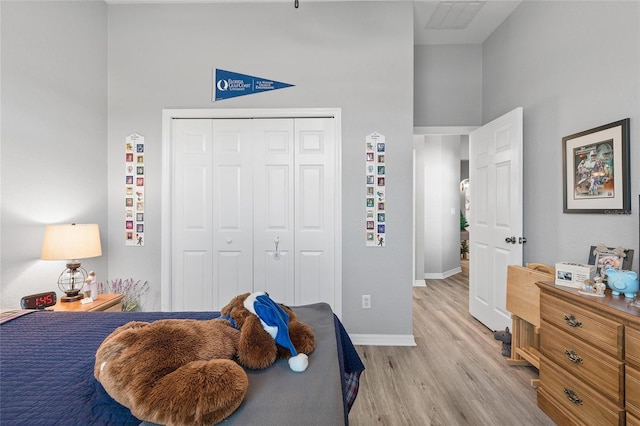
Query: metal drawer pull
x=572 y=396
x=572 y=321
x=573 y=356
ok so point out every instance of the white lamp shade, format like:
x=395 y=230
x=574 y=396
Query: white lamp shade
x=70 y=242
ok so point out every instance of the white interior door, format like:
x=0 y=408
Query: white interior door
x=253 y=210
x=495 y=174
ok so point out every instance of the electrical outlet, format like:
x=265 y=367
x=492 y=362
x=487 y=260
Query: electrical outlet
x=366 y=301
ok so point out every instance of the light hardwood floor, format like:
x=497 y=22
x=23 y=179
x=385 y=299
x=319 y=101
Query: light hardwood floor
x=455 y=376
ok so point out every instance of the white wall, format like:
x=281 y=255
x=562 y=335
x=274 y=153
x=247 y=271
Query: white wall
x=573 y=66
x=54 y=126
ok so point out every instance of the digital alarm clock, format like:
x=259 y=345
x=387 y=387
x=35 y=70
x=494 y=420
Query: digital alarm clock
x=39 y=301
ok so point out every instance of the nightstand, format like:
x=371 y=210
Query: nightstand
x=104 y=302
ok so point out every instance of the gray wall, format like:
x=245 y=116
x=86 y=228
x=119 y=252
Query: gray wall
x=448 y=85
x=54 y=144
x=573 y=66
x=162 y=56
x=440 y=158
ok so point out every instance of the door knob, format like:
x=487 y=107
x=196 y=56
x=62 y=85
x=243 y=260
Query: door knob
x=276 y=253
x=511 y=240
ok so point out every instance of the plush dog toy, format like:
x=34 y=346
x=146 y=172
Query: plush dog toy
x=180 y=371
x=505 y=337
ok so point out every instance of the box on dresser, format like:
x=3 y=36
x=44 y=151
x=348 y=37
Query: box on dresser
x=574 y=274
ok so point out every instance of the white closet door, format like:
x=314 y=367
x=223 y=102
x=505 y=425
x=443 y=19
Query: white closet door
x=232 y=213
x=253 y=210
x=315 y=196
x=274 y=248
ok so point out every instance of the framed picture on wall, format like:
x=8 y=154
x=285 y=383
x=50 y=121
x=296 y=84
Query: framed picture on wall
x=596 y=171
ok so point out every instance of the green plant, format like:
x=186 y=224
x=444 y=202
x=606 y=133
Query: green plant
x=464 y=248
x=463 y=222
x=130 y=290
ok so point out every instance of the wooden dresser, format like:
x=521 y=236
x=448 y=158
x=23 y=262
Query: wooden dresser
x=590 y=358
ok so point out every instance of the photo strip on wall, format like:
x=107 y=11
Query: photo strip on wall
x=376 y=175
x=134 y=190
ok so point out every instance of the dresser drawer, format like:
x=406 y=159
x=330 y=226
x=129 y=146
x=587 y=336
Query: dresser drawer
x=632 y=420
x=579 y=359
x=632 y=345
x=577 y=399
x=601 y=332
x=632 y=386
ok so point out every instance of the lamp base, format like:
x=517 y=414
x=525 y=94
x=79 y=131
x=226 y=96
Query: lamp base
x=68 y=298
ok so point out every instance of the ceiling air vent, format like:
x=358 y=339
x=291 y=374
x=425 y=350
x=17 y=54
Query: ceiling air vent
x=453 y=15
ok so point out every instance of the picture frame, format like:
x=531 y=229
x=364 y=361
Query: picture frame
x=596 y=171
x=617 y=258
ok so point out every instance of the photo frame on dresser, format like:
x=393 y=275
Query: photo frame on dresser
x=610 y=257
x=596 y=171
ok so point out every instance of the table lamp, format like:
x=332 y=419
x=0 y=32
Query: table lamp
x=71 y=242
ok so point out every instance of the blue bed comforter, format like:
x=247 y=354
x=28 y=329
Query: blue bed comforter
x=47 y=358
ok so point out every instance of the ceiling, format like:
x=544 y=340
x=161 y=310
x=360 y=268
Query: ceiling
x=435 y=22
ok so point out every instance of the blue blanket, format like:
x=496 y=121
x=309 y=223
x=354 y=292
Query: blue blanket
x=47 y=359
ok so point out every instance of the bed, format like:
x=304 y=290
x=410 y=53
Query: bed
x=47 y=358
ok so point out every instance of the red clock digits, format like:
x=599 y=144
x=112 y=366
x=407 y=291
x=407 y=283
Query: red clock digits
x=44 y=300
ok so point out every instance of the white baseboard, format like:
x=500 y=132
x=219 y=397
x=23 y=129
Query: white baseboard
x=443 y=275
x=383 y=339
x=419 y=283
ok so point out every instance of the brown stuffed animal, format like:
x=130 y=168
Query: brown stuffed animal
x=178 y=372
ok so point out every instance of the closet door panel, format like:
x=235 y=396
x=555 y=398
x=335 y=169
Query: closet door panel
x=192 y=206
x=314 y=202
x=273 y=208
x=232 y=220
